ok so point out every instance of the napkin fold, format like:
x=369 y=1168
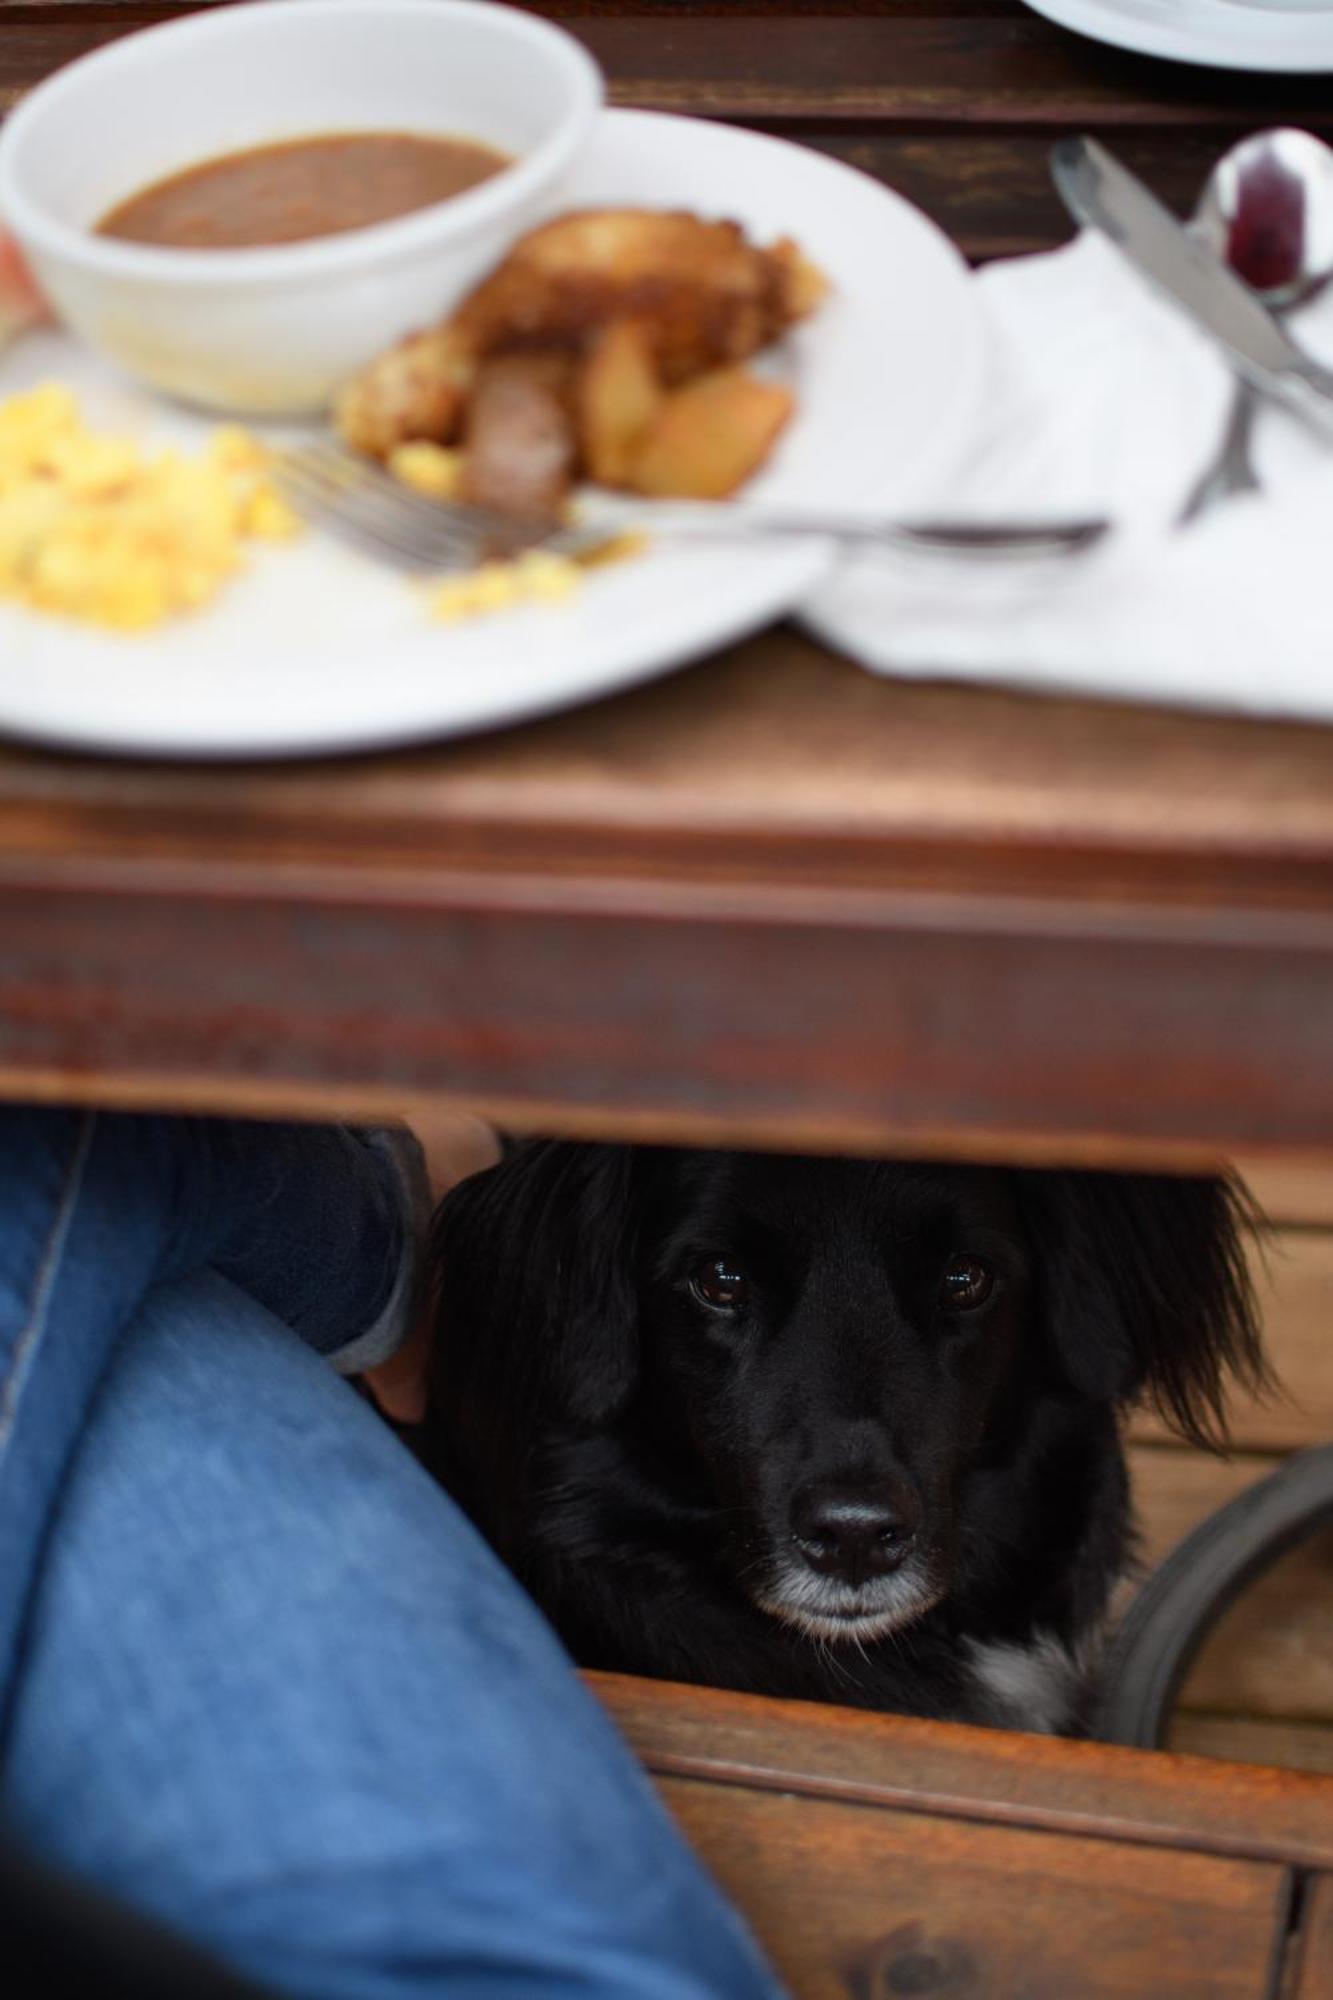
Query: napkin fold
x=1103 y=399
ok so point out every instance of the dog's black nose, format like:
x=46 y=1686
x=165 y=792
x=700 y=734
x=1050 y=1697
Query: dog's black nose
x=848 y=1533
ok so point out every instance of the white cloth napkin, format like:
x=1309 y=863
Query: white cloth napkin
x=1103 y=399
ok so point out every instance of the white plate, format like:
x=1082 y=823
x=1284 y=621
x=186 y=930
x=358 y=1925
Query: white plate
x=1287 y=36
x=316 y=649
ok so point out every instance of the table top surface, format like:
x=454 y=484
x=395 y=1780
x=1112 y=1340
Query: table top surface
x=774 y=791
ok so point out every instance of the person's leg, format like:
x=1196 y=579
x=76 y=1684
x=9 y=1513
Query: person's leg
x=75 y=1943
x=277 y=1692
x=94 y=1210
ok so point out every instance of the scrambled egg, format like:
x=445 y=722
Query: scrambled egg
x=533 y=578
x=428 y=468
x=537 y=577
x=436 y=472
x=93 y=528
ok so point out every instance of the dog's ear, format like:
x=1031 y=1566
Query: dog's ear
x=535 y=1264
x=1147 y=1290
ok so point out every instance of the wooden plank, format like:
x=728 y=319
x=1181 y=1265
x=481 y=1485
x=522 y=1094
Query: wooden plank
x=1295 y=1284
x=1291 y=1195
x=886 y=62
x=775 y=762
x=555 y=10
x=988 y=1776
x=846 y=1899
x=1176 y=1487
x=1311 y=1967
x=866 y=1021
x=1243 y=1739
x=1009 y=70
x=991 y=190
x=927 y=72
x=779 y=760
x=732 y=907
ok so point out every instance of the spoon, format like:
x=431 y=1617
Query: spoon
x=1267 y=210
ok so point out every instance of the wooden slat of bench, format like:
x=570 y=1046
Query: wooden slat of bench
x=849 y=1899
x=1295 y=1284
x=1297 y=1746
x=1290 y=1194
x=986 y=1776
x=1175 y=1487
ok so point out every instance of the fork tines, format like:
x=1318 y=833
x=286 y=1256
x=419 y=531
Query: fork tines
x=367 y=507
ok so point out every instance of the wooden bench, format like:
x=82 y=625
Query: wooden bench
x=878 y=1856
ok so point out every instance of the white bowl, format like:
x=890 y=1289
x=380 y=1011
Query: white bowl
x=274 y=331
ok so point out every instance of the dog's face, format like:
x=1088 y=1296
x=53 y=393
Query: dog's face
x=835 y=1340
x=834 y=1379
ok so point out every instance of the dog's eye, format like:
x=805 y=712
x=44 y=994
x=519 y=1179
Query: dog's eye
x=720 y=1284
x=966 y=1284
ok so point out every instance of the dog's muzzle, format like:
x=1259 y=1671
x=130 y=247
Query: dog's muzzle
x=851 y=1568
x=854 y=1534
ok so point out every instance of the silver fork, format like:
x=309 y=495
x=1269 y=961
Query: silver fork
x=357 y=500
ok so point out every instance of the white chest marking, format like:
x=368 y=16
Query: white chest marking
x=1035 y=1686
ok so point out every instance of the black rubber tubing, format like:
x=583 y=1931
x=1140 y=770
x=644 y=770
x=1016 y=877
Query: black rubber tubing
x=1186 y=1595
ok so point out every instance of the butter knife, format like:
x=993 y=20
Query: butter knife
x=1099 y=191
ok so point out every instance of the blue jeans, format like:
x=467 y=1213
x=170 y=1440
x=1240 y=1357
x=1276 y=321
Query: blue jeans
x=260 y=1679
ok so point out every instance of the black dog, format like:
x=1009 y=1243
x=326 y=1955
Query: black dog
x=834 y=1429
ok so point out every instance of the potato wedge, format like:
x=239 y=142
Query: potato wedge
x=619 y=394
x=710 y=437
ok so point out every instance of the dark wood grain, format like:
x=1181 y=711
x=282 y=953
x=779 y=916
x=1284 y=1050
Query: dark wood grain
x=991 y=190
x=872 y=1852
x=852 y=1904
x=955 y=101
x=774 y=900
x=929 y=67
x=879 y=1855
x=877 y=1021
x=773 y=763
x=1100 y=1793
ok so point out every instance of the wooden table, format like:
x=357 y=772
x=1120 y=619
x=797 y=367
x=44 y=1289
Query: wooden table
x=769 y=900
x=773 y=901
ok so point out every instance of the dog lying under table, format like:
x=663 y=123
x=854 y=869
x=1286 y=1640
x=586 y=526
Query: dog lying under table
x=838 y=1429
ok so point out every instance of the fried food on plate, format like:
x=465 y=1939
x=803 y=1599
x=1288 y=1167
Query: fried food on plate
x=620 y=392
x=639 y=304
x=702 y=293
x=520 y=445
x=708 y=437
x=417 y=390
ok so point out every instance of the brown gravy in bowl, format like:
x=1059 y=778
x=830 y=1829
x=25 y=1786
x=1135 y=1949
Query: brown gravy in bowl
x=300 y=188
